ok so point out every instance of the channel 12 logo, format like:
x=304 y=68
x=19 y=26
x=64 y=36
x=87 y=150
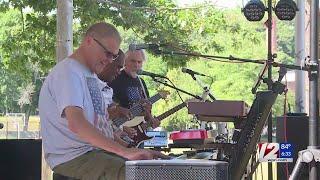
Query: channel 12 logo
x=275 y=152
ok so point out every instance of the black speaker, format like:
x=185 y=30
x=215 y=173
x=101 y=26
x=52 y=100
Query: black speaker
x=297 y=135
x=20 y=159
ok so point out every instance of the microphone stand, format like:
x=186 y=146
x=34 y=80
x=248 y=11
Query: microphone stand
x=173 y=87
x=203 y=98
x=260 y=77
x=205 y=88
x=232 y=58
x=221 y=126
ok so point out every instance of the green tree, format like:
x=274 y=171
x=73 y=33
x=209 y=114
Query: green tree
x=231 y=81
x=28 y=40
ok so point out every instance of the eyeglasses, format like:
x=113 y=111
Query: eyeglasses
x=108 y=54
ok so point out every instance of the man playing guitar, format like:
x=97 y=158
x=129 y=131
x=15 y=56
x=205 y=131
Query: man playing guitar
x=129 y=89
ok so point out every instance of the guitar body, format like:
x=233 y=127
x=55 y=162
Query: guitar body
x=138 y=124
x=134 y=122
x=136 y=111
x=140 y=128
x=141 y=135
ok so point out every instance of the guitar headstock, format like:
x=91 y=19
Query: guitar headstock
x=163 y=93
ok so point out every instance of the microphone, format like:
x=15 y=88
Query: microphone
x=133 y=47
x=153 y=75
x=192 y=73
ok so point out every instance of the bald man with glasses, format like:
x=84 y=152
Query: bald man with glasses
x=77 y=139
x=108 y=53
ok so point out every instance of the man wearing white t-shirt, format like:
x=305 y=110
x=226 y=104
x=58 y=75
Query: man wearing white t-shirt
x=77 y=140
x=108 y=74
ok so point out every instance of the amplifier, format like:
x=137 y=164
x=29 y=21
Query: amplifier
x=297 y=135
x=20 y=159
x=176 y=170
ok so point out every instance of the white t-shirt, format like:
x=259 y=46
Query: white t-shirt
x=107 y=93
x=69 y=84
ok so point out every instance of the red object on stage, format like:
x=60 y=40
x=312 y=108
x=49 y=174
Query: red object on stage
x=189 y=134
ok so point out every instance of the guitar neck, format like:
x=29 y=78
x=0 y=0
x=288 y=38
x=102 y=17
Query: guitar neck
x=138 y=108
x=154 y=98
x=171 y=111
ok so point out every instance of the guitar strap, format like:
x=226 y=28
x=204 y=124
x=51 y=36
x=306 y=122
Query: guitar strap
x=143 y=88
x=144 y=91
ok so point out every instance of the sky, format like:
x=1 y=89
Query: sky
x=219 y=3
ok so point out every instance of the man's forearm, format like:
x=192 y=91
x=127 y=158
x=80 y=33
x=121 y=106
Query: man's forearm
x=80 y=126
x=90 y=134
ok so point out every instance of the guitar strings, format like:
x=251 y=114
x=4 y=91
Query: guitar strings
x=135 y=110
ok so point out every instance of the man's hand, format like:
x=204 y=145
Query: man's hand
x=130 y=131
x=117 y=112
x=154 y=122
x=144 y=154
x=147 y=106
x=123 y=112
x=148 y=116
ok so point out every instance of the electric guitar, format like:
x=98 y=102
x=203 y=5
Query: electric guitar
x=136 y=111
x=140 y=128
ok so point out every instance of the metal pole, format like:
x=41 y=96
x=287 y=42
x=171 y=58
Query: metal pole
x=270 y=59
x=313 y=89
x=297 y=167
x=64 y=29
x=18 y=128
x=7 y=129
x=300 y=94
